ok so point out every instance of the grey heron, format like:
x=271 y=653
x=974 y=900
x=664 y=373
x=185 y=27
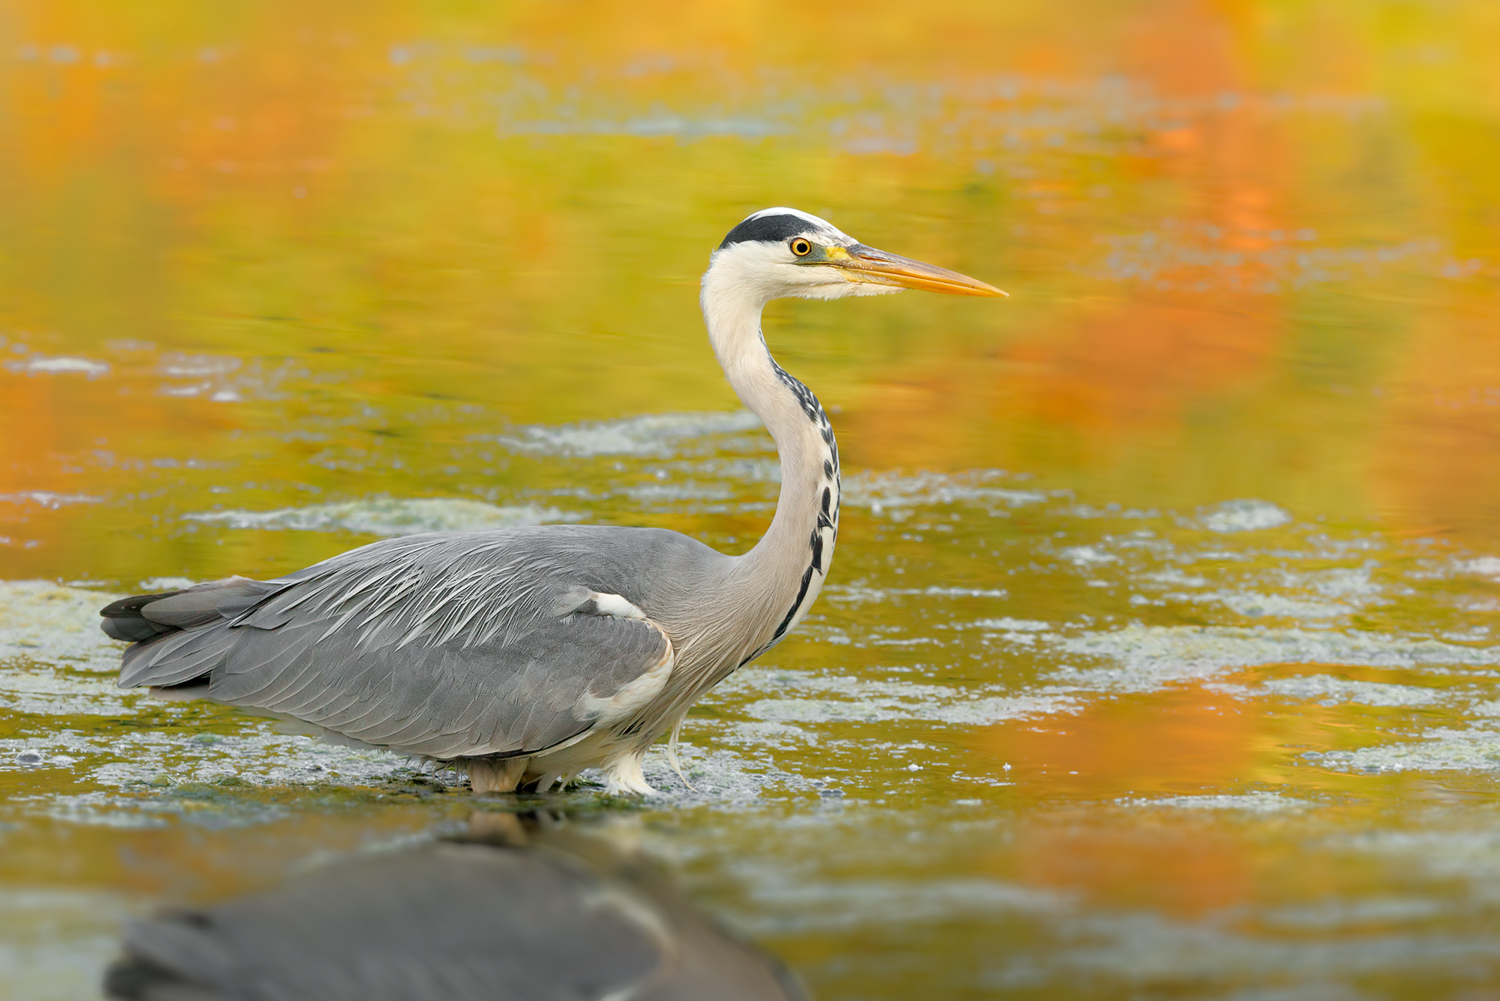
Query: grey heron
x=518 y=907
x=525 y=655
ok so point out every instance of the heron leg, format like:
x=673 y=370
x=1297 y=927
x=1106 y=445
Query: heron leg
x=624 y=775
x=489 y=776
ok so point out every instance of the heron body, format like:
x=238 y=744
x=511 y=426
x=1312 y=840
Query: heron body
x=525 y=655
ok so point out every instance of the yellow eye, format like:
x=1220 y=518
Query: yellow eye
x=801 y=247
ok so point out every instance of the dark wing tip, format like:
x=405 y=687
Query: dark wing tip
x=130 y=608
x=126 y=620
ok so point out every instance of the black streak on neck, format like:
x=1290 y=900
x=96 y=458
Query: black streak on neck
x=814 y=411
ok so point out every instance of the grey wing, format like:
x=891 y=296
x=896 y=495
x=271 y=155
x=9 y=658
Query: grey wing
x=446 y=646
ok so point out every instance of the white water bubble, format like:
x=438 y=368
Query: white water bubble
x=1243 y=516
x=390 y=517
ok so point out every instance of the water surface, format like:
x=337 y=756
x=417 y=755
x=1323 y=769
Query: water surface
x=1160 y=657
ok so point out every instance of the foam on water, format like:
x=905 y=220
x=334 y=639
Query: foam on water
x=1328 y=690
x=895 y=491
x=1253 y=802
x=175 y=365
x=1255 y=605
x=41 y=621
x=720 y=776
x=806 y=697
x=644 y=436
x=1004 y=624
x=994 y=709
x=1483 y=566
x=855 y=595
x=391 y=517
x=1148 y=657
x=1476 y=748
x=48 y=499
x=152 y=585
x=256 y=754
x=1243 y=516
x=40 y=365
x=1345 y=583
x=689 y=490
x=48 y=691
x=225 y=379
x=1087 y=556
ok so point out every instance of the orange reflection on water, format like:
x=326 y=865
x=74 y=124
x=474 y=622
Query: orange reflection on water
x=1140 y=751
x=1437 y=461
x=1181 y=740
x=1184 y=872
x=332 y=176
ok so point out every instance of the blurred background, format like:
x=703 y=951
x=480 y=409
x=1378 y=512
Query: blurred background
x=1159 y=657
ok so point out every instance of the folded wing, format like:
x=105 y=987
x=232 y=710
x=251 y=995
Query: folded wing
x=443 y=645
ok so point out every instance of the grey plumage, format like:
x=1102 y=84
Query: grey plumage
x=525 y=655
x=447 y=644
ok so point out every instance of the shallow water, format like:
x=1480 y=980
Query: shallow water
x=1160 y=657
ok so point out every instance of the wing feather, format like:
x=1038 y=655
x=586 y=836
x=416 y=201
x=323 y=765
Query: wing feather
x=439 y=645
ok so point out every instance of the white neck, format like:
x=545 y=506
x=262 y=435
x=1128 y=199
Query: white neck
x=780 y=577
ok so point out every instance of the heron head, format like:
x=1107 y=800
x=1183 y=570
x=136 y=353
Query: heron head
x=783 y=253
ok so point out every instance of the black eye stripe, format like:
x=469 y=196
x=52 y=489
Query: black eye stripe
x=767 y=228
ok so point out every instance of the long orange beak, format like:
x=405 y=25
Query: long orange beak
x=875 y=267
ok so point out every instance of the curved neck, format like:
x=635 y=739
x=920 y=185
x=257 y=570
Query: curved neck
x=779 y=578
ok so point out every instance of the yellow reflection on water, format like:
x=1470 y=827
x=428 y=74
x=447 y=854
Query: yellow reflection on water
x=451 y=205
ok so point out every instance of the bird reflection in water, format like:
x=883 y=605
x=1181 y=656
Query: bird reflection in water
x=518 y=907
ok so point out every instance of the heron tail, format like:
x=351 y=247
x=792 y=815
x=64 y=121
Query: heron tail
x=171 y=632
x=126 y=619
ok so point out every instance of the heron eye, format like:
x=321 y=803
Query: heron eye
x=801 y=247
